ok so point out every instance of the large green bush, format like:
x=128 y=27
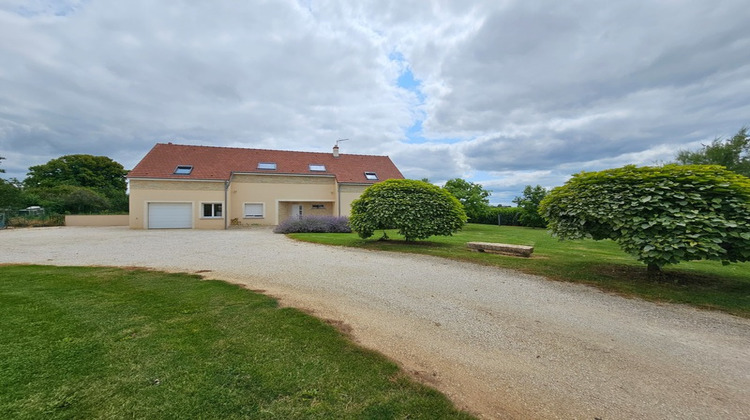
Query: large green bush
x=416 y=208
x=661 y=215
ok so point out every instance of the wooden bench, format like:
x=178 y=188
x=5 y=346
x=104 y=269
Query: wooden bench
x=504 y=249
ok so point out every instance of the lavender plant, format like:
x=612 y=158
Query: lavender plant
x=314 y=224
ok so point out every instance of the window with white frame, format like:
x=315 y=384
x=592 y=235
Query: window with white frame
x=269 y=166
x=211 y=210
x=254 y=210
x=371 y=176
x=317 y=168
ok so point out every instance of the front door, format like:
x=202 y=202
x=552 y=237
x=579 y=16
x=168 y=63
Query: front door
x=296 y=212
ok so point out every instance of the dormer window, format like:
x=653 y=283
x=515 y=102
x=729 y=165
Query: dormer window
x=183 y=169
x=317 y=168
x=269 y=166
x=371 y=176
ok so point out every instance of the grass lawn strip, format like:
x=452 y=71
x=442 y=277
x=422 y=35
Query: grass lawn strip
x=703 y=284
x=112 y=343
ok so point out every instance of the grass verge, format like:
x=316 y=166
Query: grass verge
x=112 y=343
x=704 y=284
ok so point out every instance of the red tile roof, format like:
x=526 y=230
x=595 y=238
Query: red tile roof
x=217 y=163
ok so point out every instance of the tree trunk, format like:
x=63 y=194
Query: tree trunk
x=653 y=269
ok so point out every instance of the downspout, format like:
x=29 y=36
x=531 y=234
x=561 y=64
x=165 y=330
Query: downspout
x=226 y=203
x=338 y=197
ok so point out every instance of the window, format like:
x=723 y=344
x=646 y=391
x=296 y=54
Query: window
x=211 y=210
x=254 y=210
x=318 y=206
x=317 y=168
x=183 y=169
x=371 y=175
x=271 y=166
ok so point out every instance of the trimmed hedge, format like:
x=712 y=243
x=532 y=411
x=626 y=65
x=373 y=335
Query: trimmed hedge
x=508 y=216
x=314 y=224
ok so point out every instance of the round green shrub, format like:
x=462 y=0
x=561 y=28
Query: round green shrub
x=661 y=215
x=416 y=208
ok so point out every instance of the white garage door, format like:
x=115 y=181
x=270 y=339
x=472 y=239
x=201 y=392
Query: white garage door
x=170 y=215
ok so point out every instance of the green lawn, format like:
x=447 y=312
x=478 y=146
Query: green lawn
x=704 y=284
x=113 y=343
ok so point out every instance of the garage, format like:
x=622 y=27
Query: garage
x=170 y=215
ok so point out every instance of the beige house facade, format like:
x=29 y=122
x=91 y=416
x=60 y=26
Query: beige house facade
x=199 y=187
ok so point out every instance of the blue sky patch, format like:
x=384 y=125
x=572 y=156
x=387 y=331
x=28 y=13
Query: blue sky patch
x=48 y=8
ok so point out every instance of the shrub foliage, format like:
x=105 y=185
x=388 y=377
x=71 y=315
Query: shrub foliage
x=37 y=221
x=661 y=215
x=502 y=216
x=314 y=224
x=416 y=208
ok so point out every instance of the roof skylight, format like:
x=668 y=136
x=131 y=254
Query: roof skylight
x=317 y=168
x=183 y=169
x=271 y=166
x=371 y=176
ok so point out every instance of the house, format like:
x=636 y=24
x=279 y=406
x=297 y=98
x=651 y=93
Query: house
x=202 y=187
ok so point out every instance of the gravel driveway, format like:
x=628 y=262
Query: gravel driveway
x=499 y=343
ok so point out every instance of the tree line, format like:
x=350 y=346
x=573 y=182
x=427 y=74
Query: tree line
x=475 y=200
x=80 y=184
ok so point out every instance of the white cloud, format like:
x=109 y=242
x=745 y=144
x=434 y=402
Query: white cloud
x=515 y=92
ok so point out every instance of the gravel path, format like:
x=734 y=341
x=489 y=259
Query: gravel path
x=498 y=343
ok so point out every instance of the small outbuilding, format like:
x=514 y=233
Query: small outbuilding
x=31 y=211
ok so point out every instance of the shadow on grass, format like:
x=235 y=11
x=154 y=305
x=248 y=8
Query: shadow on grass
x=424 y=244
x=668 y=276
x=678 y=286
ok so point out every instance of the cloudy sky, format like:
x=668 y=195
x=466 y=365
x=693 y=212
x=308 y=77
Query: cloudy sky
x=500 y=92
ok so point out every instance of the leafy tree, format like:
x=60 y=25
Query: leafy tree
x=97 y=174
x=529 y=205
x=417 y=209
x=733 y=153
x=472 y=196
x=661 y=215
x=85 y=200
x=69 y=199
x=11 y=196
